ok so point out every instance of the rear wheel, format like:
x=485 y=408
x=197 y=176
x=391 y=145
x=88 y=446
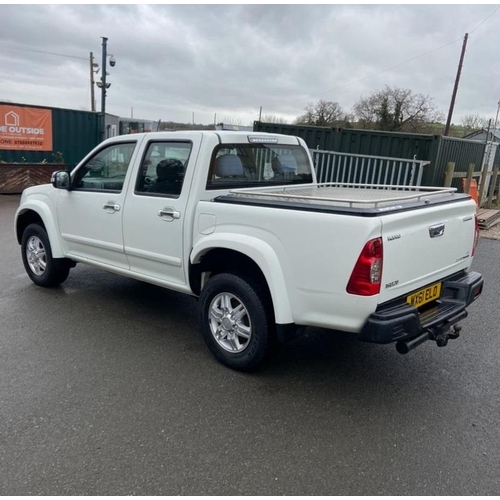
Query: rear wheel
x=236 y=321
x=40 y=266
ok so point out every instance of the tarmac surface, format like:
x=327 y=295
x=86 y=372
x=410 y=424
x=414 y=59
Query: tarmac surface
x=106 y=388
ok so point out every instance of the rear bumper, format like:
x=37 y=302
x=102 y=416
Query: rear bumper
x=401 y=321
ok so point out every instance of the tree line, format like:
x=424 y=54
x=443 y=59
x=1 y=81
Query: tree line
x=390 y=109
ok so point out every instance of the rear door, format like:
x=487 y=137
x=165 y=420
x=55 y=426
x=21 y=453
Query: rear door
x=155 y=212
x=423 y=246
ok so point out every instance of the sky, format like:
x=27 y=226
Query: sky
x=225 y=62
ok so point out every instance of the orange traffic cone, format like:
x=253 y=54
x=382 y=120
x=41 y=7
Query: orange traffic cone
x=472 y=190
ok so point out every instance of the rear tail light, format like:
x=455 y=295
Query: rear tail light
x=367 y=273
x=476 y=235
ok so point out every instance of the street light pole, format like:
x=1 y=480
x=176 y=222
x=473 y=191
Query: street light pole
x=103 y=87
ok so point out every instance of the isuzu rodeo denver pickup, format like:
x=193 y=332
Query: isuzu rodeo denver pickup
x=238 y=220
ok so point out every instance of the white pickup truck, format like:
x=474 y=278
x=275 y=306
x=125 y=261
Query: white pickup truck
x=238 y=220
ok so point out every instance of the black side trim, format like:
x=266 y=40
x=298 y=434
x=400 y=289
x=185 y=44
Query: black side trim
x=331 y=209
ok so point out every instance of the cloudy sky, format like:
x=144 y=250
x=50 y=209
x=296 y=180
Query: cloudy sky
x=229 y=60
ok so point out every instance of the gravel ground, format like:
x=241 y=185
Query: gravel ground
x=493 y=233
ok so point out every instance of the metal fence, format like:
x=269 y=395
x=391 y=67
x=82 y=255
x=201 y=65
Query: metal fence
x=332 y=166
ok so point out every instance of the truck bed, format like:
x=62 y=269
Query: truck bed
x=354 y=199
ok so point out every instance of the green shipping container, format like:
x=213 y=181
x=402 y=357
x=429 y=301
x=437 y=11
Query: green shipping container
x=436 y=149
x=315 y=137
x=74 y=134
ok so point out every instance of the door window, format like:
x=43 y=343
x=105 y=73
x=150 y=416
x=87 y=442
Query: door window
x=106 y=170
x=163 y=168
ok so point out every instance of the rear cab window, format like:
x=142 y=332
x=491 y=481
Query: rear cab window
x=254 y=165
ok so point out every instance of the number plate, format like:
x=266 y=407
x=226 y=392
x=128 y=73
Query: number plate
x=425 y=295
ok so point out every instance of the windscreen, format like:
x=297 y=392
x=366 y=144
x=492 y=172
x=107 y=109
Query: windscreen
x=251 y=165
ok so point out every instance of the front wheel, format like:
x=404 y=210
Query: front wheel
x=40 y=266
x=235 y=321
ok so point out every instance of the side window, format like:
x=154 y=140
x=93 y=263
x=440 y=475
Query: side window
x=106 y=170
x=163 y=168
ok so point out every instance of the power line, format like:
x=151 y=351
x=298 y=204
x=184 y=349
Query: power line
x=387 y=69
x=405 y=62
x=401 y=63
x=484 y=20
x=13 y=47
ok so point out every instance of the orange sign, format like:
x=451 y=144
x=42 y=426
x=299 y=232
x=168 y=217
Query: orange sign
x=25 y=129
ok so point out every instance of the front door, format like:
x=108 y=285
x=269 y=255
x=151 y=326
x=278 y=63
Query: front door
x=155 y=214
x=90 y=214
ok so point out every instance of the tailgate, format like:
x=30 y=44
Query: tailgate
x=424 y=246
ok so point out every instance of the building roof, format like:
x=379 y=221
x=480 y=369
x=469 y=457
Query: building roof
x=495 y=133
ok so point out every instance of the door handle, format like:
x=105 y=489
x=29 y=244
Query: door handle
x=436 y=231
x=169 y=214
x=111 y=206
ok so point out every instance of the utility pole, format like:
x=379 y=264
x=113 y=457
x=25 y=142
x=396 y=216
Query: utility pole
x=488 y=151
x=455 y=89
x=496 y=118
x=92 y=96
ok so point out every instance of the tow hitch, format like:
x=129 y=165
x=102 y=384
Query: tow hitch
x=441 y=335
x=442 y=338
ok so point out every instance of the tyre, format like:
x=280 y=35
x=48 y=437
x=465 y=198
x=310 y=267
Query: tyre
x=41 y=267
x=236 y=321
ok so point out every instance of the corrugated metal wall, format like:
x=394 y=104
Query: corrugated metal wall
x=497 y=157
x=315 y=137
x=460 y=151
x=436 y=149
x=74 y=134
x=364 y=142
x=379 y=143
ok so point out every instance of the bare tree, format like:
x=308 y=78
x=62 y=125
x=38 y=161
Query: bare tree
x=230 y=120
x=323 y=113
x=396 y=109
x=274 y=119
x=474 y=121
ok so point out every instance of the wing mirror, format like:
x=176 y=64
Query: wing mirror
x=61 y=180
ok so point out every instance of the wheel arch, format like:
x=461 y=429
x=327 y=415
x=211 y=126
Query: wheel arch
x=242 y=256
x=39 y=214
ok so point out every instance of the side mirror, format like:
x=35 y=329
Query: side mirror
x=61 y=179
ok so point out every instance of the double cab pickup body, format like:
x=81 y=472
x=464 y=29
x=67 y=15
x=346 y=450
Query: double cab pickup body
x=238 y=220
